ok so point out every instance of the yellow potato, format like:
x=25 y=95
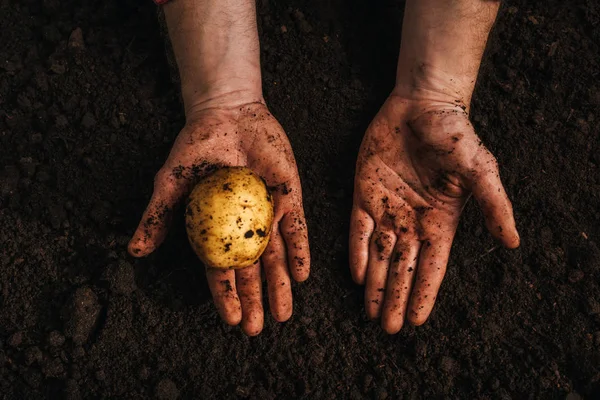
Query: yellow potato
x=229 y=217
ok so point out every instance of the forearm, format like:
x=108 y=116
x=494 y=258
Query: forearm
x=215 y=43
x=442 y=45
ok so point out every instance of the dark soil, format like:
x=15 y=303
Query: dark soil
x=84 y=129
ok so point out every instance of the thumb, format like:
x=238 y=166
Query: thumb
x=497 y=208
x=153 y=227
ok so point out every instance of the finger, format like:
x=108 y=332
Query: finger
x=400 y=281
x=361 y=229
x=249 y=288
x=295 y=234
x=222 y=287
x=496 y=206
x=433 y=260
x=380 y=252
x=278 y=277
x=153 y=227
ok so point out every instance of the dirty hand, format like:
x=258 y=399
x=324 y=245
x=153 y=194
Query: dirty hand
x=246 y=135
x=215 y=43
x=417 y=166
x=419 y=162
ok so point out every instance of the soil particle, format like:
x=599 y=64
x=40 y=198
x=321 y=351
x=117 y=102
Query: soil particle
x=88 y=121
x=56 y=215
x=121 y=277
x=76 y=39
x=72 y=391
x=15 y=339
x=57 y=65
x=166 y=390
x=9 y=180
x=447 y=364
x=61 y=121
x=53 y=368
x=55 y=339
x=82 y=314
x=101 y=212
x=33 y=355
x=576 y=275
x=27 y=166
x=573 y=396
x=100 y=375
x=301 y=22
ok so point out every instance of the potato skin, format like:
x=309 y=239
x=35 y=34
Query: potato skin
x=229 y=216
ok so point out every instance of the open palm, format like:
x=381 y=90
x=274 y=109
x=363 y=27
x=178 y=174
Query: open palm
x=417 y=166
x=242 y=136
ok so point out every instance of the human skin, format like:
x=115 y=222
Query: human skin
x=216 y=46
x=420 y=161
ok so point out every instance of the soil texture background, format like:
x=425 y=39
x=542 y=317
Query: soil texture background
x=88 y=113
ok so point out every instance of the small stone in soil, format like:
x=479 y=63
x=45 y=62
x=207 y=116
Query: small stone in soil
x=58 y=66
x=76 y=39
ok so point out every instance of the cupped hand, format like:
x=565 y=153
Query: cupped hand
x=418 y=164
x=249 y=136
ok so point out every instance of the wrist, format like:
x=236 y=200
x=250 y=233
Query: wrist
x=420 y=80
x=216 y=46
x=223 y=87
x=224 y=97
x=442 y=46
